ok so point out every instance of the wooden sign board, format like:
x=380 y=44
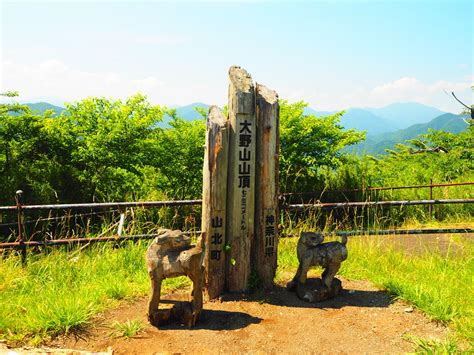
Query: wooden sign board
x=241 y=178
x=264 y=255
x=214 y=201
x=240 y=187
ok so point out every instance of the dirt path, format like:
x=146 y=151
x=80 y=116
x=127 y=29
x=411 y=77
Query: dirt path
x=362 y=319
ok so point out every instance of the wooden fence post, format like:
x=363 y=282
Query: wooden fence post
x=214 y=199
x=241 y=178
x=264 y=253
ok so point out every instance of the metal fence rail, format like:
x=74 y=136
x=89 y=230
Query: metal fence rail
x=170 y=203
x=353 y=233
x=117 y=239
x=384 y=188
x=20 y=209
x=118 y=205
x=71 y=241
x=304 y=206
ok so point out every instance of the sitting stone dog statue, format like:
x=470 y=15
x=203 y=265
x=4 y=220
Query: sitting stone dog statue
x=311 y=251
x=170 y=255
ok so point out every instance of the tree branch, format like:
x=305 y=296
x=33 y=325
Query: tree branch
x=462 y=103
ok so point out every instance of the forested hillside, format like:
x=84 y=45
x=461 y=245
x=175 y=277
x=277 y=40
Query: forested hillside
x=112 y=150
x=379 y=143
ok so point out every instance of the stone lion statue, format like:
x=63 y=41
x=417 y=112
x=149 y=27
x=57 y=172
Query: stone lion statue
x=170 y=255
x=311 y=251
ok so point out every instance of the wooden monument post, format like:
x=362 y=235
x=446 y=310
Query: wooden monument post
x=214 y=197
x=241 y=178
x=240 y=187
x=264 y=255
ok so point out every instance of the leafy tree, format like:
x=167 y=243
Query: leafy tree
x=178 y=155
x=111 y=139
x=29 y=157
x=310 y=147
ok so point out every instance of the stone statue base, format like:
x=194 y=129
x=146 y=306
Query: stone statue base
x=314 y=290
x=178 y=313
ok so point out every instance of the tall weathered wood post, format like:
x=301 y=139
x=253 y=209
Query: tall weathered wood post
x=214 y=200
x=240 y=187
x=241 y=178
x=264 y=255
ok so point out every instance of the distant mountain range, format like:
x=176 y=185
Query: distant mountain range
x=189 y=112
x=386 y=119
x=377 y=143
x=40 y=107
x=384 y=126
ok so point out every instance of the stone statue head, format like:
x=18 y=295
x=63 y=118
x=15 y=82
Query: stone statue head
x=173 y=239
x=311 y=239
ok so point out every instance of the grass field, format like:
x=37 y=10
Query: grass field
x=61 y=291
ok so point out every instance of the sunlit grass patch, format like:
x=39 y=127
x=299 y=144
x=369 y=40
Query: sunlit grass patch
x=438 y=283
x=127 y=329
x=432 y=346
x=56 y=294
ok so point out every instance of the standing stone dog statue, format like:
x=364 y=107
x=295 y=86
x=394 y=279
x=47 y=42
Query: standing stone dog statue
x=311 y=251
x=170 y=255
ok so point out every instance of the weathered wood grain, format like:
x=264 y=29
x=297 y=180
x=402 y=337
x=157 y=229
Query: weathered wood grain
x=264 y=252
x=214 y=201
x=241 y=178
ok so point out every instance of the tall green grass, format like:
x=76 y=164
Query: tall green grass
x=61 y=291
x=438 y=282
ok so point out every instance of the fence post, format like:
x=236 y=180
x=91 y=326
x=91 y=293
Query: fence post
x=214 y=199
x=19 y=209
x=430 y=207
x=121 y=222
x=264 y=253
x=241 y=179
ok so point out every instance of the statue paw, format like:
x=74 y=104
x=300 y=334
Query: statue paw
x=308 y=297
x=154 y=319
x=291 y=286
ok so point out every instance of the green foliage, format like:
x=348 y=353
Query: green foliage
x=105 y=150
x=98 y=150
x=455 y=160
x=110 y=140
x=178 y=154
x=28 y=153
x=127 y=329
x=430 y=346
x=112 y=150
x=438 y=283
x=377 y=144
x=309 y=146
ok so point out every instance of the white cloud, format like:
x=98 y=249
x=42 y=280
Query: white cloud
x=412 y=89
x=54 y=79
x=56 y=82
x=404 y=89
x=407 y=87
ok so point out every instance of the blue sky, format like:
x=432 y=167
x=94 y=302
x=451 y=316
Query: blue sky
x=332 y=54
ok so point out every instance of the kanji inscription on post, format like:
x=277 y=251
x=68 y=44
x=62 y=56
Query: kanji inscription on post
x=241 y=185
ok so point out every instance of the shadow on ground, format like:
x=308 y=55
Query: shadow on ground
x=280 y=296
x=215 y=320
